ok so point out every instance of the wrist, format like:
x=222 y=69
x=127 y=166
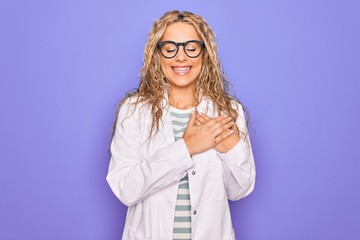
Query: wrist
x=190 y=150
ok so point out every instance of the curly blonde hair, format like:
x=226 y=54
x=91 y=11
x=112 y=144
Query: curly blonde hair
x=211 y=81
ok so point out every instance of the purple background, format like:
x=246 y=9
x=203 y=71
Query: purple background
x=65 y=65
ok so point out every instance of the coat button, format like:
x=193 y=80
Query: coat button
x=194 y=212
x=193 y=172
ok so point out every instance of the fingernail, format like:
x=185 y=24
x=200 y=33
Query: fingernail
x=231 y=131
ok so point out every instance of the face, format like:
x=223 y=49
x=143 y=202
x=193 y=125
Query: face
x=181 y=71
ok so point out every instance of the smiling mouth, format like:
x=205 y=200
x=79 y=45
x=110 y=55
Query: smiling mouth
x=181 y=70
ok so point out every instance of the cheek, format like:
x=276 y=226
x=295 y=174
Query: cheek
x=198 y=65
x=198 y=62
x=164 y=65
x=163 y=69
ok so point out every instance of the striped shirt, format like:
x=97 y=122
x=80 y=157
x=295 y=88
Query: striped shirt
x=182 y=220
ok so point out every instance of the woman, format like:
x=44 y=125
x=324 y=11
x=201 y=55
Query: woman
x=180 y=148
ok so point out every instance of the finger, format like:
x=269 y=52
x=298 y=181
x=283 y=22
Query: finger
x=223 y=136
x=198 y=123
x=201 y=119
x=230 y=125
x=235 y=128
x=222 y=121
x=223 y=128
x=205 y=117
x=216 y=120
x=192 y=120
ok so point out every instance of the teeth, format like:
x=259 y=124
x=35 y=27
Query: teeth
x=182 y=69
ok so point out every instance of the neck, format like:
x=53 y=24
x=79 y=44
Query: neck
x=182 y=99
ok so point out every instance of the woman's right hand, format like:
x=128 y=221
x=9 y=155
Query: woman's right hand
x=201 y=138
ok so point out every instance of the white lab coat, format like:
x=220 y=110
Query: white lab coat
x=144 y=174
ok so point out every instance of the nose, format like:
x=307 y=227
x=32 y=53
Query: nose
x=181 y=56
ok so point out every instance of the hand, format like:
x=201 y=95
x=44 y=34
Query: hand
x=206 y=136
x=226 y=143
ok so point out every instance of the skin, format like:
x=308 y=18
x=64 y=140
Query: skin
x=228 y=142
x=202 y=132
x=182 y=84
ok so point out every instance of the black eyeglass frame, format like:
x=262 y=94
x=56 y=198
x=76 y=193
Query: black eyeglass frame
x=177 y=44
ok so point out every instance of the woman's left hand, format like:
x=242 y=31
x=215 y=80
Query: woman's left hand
x=226 y=144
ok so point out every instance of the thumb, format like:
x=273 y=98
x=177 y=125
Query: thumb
x=192 y=120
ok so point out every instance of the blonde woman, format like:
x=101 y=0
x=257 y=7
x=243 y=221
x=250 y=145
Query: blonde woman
x=180 y=148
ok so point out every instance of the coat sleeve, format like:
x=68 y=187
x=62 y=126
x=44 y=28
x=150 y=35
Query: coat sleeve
x=238 y=164
x=131 y=176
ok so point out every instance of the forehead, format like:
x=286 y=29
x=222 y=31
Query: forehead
x=180 y=32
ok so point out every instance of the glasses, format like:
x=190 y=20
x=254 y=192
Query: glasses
x=192 y=48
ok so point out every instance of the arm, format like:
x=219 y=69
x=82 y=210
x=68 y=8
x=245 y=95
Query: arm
x=238 y=164
x=236 y=155
x=133 y=178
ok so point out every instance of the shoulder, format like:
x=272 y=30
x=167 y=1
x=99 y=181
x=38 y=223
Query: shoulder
x=238 y=107
x=235 y=104
x=131 y=111
x=241 y=112
x=131 y=105
x=130 y=114
x=242 y=118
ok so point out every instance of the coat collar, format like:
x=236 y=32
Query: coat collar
x=206 y=105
